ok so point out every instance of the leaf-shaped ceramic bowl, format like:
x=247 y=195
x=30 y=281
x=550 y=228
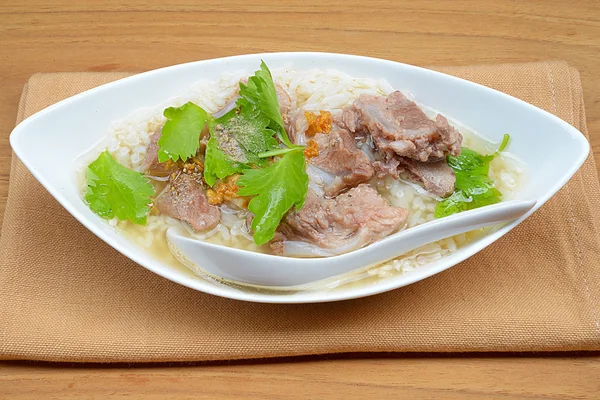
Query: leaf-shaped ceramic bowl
x=49 y=142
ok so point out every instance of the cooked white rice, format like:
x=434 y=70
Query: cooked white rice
x=312 y=90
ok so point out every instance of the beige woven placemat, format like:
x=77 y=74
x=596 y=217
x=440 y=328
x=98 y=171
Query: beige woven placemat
x=67 y=296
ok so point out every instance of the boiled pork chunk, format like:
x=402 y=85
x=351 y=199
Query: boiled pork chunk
x=435 y=177
x=347 y=222
x=399 y=126
x=184 y=199
x=345 y=165
x=151 y=165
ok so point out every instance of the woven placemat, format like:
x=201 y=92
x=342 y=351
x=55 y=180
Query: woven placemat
x=67 y=296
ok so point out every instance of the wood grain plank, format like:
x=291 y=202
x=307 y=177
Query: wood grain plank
x=432 y=377
x=118 y=35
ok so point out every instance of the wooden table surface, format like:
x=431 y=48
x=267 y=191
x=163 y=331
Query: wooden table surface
x=116 y=35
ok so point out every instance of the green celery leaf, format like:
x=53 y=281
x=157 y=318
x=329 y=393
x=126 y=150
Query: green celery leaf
x=261 y=91
x=276 y=188
x=113 y=190
x=253 y=134
x=460 y=201
x=260 y=94
x=180 y=137
x=456 y=203
x=473 y=183
x=217 y=164
x=470 y=160
x=235 y=143
x=473 y=188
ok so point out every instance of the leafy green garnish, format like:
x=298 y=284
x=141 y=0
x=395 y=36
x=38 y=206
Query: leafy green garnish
x=242 y=140
x=473 y=188
x=252 y=134
x=217 y=164
x=245 y=136
x=180 y=136
x=460 y=201
x=234 y=144
x=113 y=190
x=260 y=93
x=277 y=152
x=276 y=188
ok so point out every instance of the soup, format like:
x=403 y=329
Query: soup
x=317 y=109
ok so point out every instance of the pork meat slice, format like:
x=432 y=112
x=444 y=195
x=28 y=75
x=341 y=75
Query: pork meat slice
x=347 y=222
x=151 y=165
x=435 y=177
x=184 y=199
x=396 y=124
x=342 y=164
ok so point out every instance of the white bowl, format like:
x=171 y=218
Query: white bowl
x=49 y=142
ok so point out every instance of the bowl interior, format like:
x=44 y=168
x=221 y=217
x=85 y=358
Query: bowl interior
x=50 y=141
